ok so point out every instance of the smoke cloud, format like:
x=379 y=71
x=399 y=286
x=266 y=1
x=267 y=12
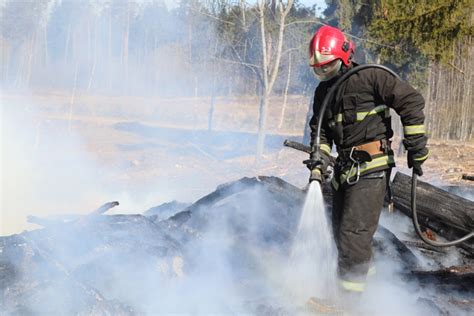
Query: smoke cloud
x=45 y=170
x=55 y=161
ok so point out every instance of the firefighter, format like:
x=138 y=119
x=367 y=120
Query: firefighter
x=358 y=124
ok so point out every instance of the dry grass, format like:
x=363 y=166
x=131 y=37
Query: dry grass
x=138 y=159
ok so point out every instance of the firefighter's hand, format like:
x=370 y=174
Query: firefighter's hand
x=416 y=158
x=319 y=160
x=313 y=164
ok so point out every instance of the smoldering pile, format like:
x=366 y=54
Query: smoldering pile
x=212 y=256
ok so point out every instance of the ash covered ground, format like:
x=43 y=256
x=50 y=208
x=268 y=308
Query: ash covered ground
x=227 y=253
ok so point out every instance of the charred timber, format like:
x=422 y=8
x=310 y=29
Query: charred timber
x=104 y=208
x=447 y=214
x=468 y=177
x=455 y=278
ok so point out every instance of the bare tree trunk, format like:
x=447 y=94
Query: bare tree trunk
x=262 y=111
x=30 y=59
x=94 y=64
x=89 y=45
x=92 y=74
x=467 y=97
x=73 y=97
x=19 y=61
x=190 y=36
x=285 y=95
x=449 y=97
x=46 y=49
x=109 y=51
x=6 y=59
x=269 y=74
x=248 y=85
x=242 y=9
x=211 y=110
x=262 y=124
x=125 y=47
x=215 y=72
x=428 y=104
x=439 y=105
x=195 y=106
x=66 y=45
x=213 y=100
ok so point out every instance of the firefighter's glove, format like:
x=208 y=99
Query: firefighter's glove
x=319 y=163
x=416 y=159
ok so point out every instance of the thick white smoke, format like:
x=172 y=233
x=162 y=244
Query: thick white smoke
x=45 y=169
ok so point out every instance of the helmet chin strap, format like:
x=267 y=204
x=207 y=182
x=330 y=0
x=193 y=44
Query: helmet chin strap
x=342 y=71
x=345 y=68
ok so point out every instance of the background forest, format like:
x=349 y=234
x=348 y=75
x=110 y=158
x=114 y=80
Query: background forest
x=212 y=48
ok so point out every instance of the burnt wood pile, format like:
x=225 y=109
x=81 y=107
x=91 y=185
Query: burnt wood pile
x=136 y=264
x=447 y=214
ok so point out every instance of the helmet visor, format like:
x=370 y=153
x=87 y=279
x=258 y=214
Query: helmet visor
x=328 y=71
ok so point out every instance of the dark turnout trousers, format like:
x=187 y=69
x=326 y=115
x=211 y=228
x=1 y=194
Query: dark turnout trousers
x=355 y=216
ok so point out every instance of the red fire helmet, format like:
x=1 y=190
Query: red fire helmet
x=328 y=49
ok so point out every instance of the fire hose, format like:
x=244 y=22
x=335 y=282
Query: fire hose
x=417 y=225
x=316 y=151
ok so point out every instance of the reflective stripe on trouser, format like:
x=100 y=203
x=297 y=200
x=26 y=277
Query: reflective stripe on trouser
x=376 y=163
x=356 y=286
x=422 y=158
x=355 y=216
x=372 y=271
x=352 y=286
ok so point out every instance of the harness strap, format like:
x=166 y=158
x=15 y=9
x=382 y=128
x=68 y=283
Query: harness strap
x=365 y=167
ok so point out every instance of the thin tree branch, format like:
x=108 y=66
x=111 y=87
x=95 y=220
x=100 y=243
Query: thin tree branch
x=283 y=14
x=306 y=22
x=289 y=50
x=211 y=16
x=369 y=41
x=457 y=68
x=254 y=68
x=230 y=61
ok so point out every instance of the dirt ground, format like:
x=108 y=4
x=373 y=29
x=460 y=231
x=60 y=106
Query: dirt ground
x=140 y=141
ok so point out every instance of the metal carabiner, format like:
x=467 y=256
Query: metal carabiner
x=355 y=164
x=357 y=173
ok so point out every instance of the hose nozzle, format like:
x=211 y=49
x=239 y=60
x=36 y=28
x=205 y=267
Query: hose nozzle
x=315 y=164
x=316 y=176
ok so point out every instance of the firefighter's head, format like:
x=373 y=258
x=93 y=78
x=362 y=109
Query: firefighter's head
x=328 y=51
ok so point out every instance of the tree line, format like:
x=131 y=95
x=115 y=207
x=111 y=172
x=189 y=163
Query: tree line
x=234 y=47
x=144 y=47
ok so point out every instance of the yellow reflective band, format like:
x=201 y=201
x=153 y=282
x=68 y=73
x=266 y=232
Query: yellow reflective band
x=378 y=109
x=366 y=166
x=423 y=158
x=353 y=286
x=413 y=129
x=338 y=118
x=326 y=148
x=361 y=116
x=372 y=271
x=316 y=170
x=334 y=183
